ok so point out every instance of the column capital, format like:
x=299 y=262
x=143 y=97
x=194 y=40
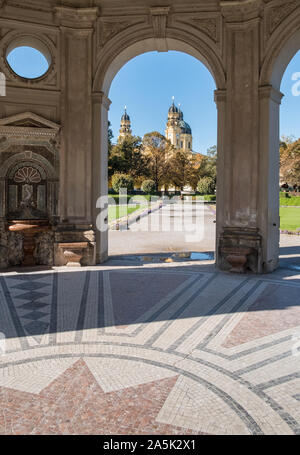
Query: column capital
x=268 y=91
x=79 y=18
x=241 y=10
x=101 y=98
x=220 y=95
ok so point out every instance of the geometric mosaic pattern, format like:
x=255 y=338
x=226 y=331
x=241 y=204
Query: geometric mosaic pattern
x=156 y=349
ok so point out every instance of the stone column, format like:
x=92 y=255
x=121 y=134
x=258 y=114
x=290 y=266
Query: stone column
x=240 y=240
x=268 y=199
x=100 y=172
x=75 y=200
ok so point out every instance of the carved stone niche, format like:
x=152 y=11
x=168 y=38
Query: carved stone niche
x=29 y=184
x=240 y=250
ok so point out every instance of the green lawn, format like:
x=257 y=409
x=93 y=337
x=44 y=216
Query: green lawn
x=287 y=199
x=118 y=211
x=289 y=218
x=135 y=198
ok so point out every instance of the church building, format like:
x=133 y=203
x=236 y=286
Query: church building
x=177 y=130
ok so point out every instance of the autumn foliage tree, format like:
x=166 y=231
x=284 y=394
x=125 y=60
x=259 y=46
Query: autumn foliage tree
x=290 y=161
x=157 y=150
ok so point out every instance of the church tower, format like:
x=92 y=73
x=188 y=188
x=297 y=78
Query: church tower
x=178 y=131
x=125 y=127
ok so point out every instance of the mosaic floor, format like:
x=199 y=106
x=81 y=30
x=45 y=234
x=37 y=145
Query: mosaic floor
x=170 y=349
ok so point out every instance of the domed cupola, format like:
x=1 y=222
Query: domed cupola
x=125 y=117
x=125 y=129
x=184 y=127
x=173 y=109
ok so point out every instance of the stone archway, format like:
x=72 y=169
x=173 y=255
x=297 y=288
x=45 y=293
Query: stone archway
x=244 y=43
x=104 y=76
x=282 y=47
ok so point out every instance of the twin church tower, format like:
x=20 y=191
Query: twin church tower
x=177 y=130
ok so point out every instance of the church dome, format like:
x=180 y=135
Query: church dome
x=173 y=109
x=185 y=127
x=125 y=117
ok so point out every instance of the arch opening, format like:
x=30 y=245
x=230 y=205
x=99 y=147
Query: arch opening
x=283 y=74
x=145 y=49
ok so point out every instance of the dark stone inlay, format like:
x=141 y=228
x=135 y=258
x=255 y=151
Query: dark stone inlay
x=30 y=286
x=181 y=309
x=212 y=311
x=34 y=315
x=32 y=295
x=33 y=305
x=82 y=309
x=14 y=315
x=53 y=315
x=221 y=324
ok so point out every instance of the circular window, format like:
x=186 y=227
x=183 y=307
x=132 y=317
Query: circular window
x=28 y=58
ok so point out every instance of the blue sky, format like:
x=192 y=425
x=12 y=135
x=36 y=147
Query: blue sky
x=27 y=62
x=147 y=83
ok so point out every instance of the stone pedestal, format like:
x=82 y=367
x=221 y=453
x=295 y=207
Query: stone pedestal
x=73 y=252
x=29 y=229
x=239 y=250
x=74 y=244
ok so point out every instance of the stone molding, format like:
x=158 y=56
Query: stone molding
x=159 y=18
x=75 y=17
x=110 y=26
x=205 y=22
x=278 y=13
x=220 y=96
x=101 y=98
x=268 y=91
x=41 y=128
x=241 y=10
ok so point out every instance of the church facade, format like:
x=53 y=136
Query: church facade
x=177 y=131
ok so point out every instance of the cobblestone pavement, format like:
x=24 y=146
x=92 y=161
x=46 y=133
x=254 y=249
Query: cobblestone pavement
x=173 y=348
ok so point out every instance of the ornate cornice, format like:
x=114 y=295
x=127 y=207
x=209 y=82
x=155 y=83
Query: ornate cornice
x=241 y=10
x=75 y=17
x=159 y=17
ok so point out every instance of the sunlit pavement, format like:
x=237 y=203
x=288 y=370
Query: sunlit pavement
x=167 y=231
x=150 y=348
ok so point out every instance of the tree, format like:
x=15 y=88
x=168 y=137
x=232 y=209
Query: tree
x=126 y=157
x=182 y=169
x=120 y=181
x=206 y=185
x=208 y=166
x=110 y=136
x=148 y=186
x=157 y=150
x=290 y=161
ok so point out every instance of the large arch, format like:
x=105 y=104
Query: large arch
x=107 y=69
x=282 y=47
